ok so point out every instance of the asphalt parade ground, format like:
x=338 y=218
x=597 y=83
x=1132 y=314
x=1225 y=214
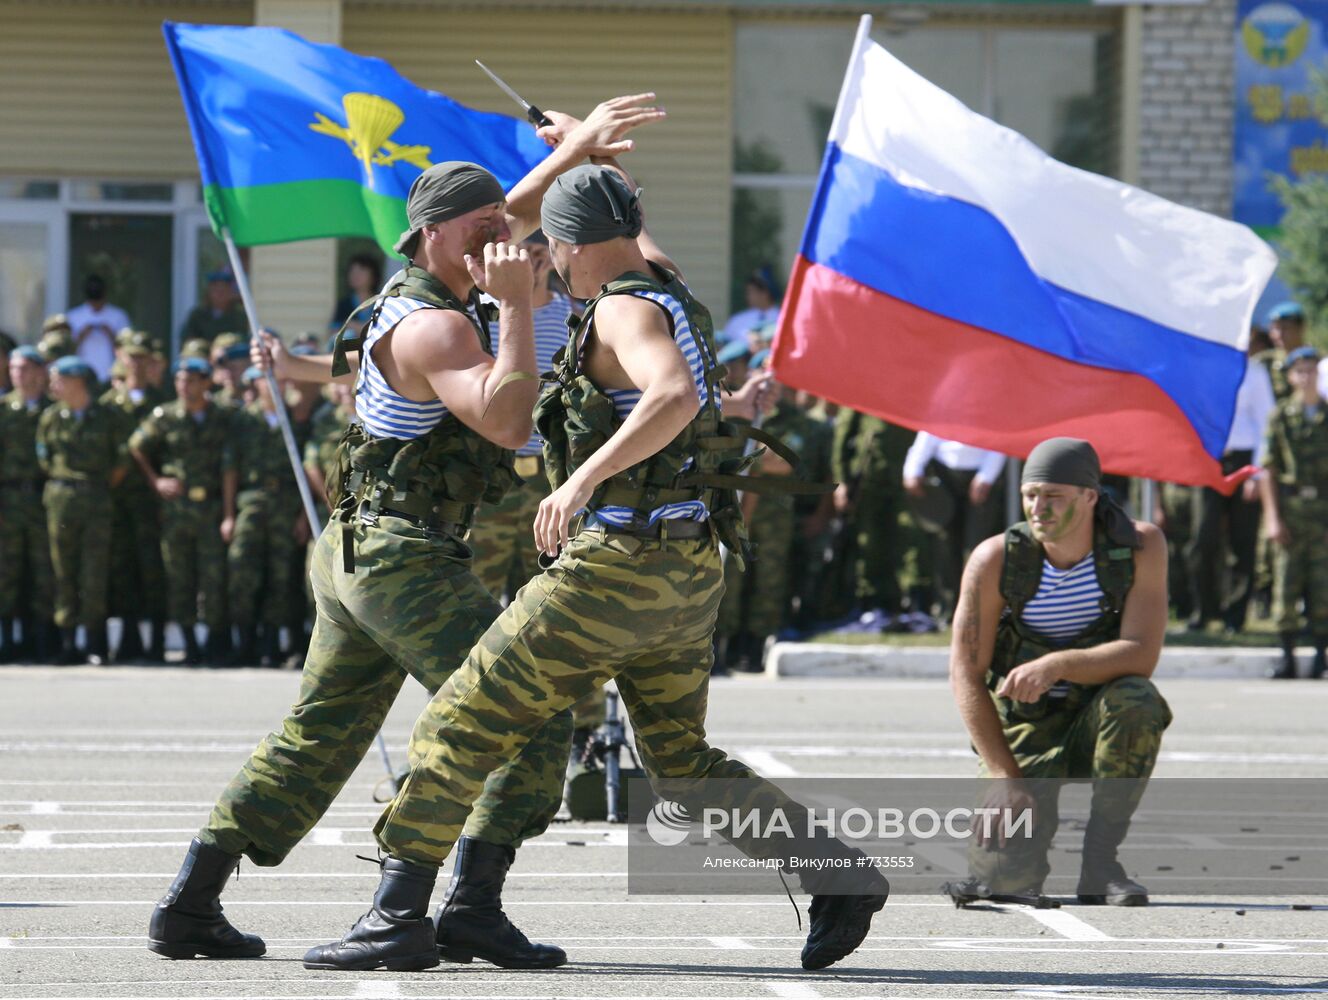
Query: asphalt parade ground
x=105 y=775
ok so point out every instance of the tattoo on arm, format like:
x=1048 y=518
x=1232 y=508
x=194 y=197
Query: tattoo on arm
x=970 y=628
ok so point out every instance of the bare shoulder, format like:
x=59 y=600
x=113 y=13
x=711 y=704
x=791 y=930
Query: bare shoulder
x=1153 y=549
x=618 y=315
x=987 y=560
x=434 y=339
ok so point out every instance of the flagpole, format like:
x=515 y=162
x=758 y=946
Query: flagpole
x=278 y=401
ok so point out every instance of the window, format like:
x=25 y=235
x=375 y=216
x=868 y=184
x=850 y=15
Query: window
x=1054 y=85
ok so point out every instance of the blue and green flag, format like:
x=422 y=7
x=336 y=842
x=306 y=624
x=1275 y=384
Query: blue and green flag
x=297 y=141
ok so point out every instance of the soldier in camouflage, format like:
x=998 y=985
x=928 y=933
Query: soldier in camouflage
x=260 y=511
x=1059 y=627
x=1295 y=500
x=632 y=596
x=26 y=590
x=80 y=444
x=181 y=449
x=138 y=589
x=57 y=338
x=391 y=574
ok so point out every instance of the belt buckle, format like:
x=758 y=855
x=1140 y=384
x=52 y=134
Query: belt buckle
x=197 y=494
x=365 y=514
x=527 y=466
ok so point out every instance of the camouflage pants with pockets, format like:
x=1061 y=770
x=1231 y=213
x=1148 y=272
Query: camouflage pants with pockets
x=25 y=555
x=1116 y=734
x=76 y=520
x=412 y=606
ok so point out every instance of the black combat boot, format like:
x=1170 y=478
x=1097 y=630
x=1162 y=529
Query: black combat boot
x=130 y=649
x=1320 y=663
x=193 y=655
x=68 y=654
x=1287 y=669
x=188 y=921
x=98 y=646
x=471 y=922
x=396 y=934
x=845 y=897
x=1102 y=880
x=156 y=651
x=246 y=653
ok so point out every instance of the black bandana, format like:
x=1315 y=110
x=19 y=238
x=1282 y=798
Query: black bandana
x=1072 y=462
x=443 y=192
x=591 y=204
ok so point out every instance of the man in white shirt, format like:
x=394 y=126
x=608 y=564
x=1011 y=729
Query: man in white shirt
x=1225 y=524
x=94 y=325
x=762 y=306
x=966 y=475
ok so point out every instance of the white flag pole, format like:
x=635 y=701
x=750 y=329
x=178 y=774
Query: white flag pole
x=283 y=418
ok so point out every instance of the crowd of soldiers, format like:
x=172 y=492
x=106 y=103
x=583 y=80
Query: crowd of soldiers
x=155 y=500
x=205 y=523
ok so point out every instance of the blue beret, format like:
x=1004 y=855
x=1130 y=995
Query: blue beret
x=760 y=358
x=1285 y=310
x=72 y=366
x=251 y=374
x=222 y=274
x=29 y=353
x=236 y=352
x=732 y=352
x=1305 y=353
x=194 y=366
x=303 y=350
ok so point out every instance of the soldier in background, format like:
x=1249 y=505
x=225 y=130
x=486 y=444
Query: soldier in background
x=1295 y=503
x=1286 y=329
x=80 y=444
x=26 y=588
x=57 y=339
x=260 y=511
x=181 y=448
x=138 y=580
x=220 y=311
x=230 y=359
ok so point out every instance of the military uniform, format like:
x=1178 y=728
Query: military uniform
x=756 y=599
x=138 y=579
x=203 y=324
x=193 y=449
x=79 y=452
x=868 y=456
x=1297 y=459
x=395 y=596
x=267 y=505
x=1111 y=730
x=809 y=547
x=26 y=587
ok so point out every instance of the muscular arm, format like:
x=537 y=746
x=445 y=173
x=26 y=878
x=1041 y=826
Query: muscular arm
x=439 y=351
x=976 y=617
x=635 y=349
x=1134 y=654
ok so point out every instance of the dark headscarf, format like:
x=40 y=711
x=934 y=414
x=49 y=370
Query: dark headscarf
x=1072 y=462
x=591 y=204
x=443 y=192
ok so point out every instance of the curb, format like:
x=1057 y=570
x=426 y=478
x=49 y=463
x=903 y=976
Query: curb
x=830 y=660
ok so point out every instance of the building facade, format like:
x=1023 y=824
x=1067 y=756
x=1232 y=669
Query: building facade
x=97 y=170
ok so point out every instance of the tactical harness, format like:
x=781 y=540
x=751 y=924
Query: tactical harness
x=1016 y=644
x=436 y=480
x=706 y=461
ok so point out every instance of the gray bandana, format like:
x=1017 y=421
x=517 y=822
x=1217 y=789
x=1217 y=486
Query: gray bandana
x=1072 y=462
x=443 y=192
x=591 y=204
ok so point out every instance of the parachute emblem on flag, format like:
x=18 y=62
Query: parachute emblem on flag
x=370 y=122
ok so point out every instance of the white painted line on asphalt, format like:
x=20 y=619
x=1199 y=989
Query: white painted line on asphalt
x=377 y=988
x=231 y=901
x=765 y=763
x=323 y=836
x=794 y=991
x=728 y=943
x=1064 y=923
x=34 y=838
x=44 y=808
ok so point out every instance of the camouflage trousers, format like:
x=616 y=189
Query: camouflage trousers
x=25 y=555
x=195 y=559
x=756 y=598
x=411 y=607
x=1300 y=568
x=258 y=562
x=503 y=540
x=76 y=521
x=878 y=549
x=138 y=578
x=639 y=611
x=1116 y=735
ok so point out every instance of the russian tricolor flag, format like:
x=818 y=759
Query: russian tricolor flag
x=955 y=278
